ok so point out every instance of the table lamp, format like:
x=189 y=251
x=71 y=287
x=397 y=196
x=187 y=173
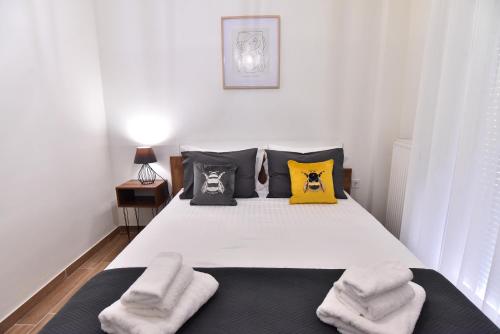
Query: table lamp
x=145 y=155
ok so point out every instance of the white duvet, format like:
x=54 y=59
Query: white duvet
x=263 y=232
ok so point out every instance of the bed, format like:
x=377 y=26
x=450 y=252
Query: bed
x=265 y=232
x=275 y=262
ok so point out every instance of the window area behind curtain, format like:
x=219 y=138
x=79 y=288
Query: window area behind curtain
x=451 y=218
x=480 y=274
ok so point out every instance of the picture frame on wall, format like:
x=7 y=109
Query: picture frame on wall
x=251 y=52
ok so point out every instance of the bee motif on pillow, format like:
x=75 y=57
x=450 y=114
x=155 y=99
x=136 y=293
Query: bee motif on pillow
x=213 y=184
x=313 y=182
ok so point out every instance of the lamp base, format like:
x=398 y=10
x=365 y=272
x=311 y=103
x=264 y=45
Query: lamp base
x=146 y=174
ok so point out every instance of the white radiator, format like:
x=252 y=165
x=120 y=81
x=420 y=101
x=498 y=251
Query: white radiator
x=397 y=185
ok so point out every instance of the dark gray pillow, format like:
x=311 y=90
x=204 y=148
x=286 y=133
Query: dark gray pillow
x=279 y=175
x=243 y=160
x=213 y=184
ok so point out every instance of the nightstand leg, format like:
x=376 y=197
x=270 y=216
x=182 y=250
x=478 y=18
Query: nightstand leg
x=125 y=217
x=136 y=211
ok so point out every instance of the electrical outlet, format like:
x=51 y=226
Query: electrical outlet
x=356 y=183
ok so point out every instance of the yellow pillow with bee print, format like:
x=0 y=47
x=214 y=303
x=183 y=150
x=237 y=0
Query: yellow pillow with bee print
x=312 y=182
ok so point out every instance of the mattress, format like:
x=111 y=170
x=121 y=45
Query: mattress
x=267 y=233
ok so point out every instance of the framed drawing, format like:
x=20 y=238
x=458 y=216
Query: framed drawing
x=250 y=52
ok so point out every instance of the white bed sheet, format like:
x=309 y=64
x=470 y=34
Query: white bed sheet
x=261 y=232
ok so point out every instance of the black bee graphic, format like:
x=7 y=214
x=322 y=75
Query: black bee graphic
x=313 y=181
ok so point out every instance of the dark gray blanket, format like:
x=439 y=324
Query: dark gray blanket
x=261 y=301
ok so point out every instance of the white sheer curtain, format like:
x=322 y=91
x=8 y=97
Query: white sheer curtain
x=451 y=218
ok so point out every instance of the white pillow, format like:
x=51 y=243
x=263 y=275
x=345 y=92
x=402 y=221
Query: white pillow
x=263 y=189
x=303 y=149
x=219 y=148
x=259 y=188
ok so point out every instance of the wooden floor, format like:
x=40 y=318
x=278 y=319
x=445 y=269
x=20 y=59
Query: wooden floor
x=34 y=320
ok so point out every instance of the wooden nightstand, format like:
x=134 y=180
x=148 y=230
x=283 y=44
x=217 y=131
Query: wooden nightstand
x=133 y=194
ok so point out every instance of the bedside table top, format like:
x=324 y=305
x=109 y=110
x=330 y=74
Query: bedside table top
x=135 y=184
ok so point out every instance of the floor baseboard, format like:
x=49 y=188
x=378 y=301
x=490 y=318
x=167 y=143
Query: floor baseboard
x=11 y=319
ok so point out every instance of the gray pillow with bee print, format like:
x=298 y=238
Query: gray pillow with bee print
x=244 y=160
x=213 y=184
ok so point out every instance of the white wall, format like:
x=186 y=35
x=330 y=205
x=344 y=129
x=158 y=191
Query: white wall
x=342 y=71
x=56 y=193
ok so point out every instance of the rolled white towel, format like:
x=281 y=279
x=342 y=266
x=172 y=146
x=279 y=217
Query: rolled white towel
x=378 y=306
x=174 y=292
x=116 y=319
x=376 y=279
x=333 y=312
x=152 y=285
